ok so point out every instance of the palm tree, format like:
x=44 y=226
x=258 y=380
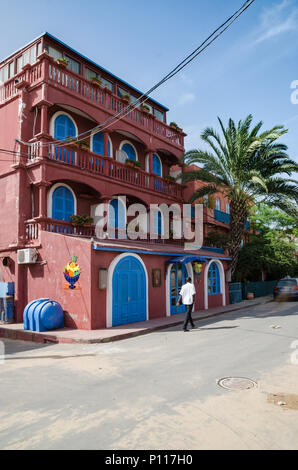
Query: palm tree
x=247 y=167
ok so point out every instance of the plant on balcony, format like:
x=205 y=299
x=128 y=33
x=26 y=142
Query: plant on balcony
x=146 y=108
x=170 y=179
x=132 y=163
x=173 y=124
x=125 y=98
x=62 y=61
x=245 y=165
x=96 y=81
x=82 y=144
x=81 y=220
x=216 y=240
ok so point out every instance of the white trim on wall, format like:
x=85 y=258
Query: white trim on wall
x=222 y=282
x=123 y=142
x=109 y=301
x=53 y=118
x=168 y=285
x=50 y=198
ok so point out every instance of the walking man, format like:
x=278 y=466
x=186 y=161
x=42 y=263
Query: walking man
x=187 y=294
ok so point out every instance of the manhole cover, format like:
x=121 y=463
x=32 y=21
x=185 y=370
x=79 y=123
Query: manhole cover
x=237 y=383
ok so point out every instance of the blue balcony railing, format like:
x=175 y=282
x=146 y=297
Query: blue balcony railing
x=221 y=216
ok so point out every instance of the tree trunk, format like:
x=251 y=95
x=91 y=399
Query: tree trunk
x=238 y=220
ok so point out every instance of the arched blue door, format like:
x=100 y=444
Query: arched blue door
x=62 y=204
x=129 y=292
x=98 y=144
x=130 y=151
x=177 y=279
x=64 y=127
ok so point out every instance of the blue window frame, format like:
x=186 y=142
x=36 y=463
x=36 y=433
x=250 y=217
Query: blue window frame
x=98 y=144
x=64 y=127
x=213 y=279
x=62 y=204
x=156 y=165
x=158 y=223
x=130 y=151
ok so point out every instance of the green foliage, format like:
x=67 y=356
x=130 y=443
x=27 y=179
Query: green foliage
x=218 y=240
x=247 y=166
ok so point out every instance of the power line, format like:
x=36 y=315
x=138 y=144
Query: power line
x=126 y=110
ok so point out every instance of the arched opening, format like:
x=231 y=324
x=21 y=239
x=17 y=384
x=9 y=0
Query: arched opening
x=214 y=281
x=97 y=144
x=127 y=291
x=62 y=126
x=62 y=202
x=129 y=149
x=175 y=278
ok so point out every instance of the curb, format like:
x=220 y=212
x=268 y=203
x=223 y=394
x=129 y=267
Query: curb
x=36 y=337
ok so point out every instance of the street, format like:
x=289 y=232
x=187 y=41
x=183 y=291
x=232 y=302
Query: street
x=157 y=391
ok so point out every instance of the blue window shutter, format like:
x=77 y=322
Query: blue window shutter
x=130 y=151
x=62 y=204
x=64 y=127
x=158 y=223
x=213 y=279
x=156 y=165
x=98 y=143
x=117 y=214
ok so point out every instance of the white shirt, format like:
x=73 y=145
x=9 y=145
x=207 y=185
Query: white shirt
x=187 y=292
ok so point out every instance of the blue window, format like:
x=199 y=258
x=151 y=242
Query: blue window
x=156 y=165
x=130 y=151
x=217 y=206
x=64 y=127
x=213 y=279
x=98 y=144
x=158 y=223
x=62 y=204
x=117 y=216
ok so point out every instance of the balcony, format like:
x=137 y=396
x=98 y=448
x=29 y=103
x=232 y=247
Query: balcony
x=46 y=70
x=221 y=216
x=106 y=167
x=34 y=227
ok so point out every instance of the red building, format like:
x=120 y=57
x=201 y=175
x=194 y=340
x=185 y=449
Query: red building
x=49 y=93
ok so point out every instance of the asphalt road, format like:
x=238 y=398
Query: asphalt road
x=157 y=391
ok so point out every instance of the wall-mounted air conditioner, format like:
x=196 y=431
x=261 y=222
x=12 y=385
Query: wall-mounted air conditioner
x=27 y=256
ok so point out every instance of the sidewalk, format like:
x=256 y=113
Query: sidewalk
x=69 y=335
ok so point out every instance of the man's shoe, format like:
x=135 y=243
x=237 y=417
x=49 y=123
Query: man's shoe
x=185 y=330
x=193 y=327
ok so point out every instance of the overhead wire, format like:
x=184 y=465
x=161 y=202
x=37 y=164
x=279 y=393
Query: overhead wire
x=128 y=109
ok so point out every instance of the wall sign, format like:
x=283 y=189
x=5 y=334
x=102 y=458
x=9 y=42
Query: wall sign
x=156 y=277
x=72 y=272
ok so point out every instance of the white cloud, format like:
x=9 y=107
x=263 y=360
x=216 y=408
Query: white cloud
x=279 y=19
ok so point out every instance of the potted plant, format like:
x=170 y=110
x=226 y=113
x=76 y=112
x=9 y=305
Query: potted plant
x=62 y=61
x=173 y=124
x=81 y=220
x=145 y=108
x=170 y=179
x=132 y=163
x=82 y=144
x=125 y=98
x=96 y=81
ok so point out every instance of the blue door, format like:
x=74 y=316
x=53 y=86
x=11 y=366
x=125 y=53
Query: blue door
x=177 y=279
x=62 y=204
x=129 y=292
x=117 y=218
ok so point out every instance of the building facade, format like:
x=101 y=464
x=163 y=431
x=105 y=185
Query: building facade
x=52 y=167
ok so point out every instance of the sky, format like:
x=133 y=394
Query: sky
x=248 y=70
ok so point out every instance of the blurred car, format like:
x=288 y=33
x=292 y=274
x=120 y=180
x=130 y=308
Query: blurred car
x=286 y=289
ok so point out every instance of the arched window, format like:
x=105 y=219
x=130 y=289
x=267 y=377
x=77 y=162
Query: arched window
x=98 y=144
x=117 y=216
x=157 y=168
x=213 y=279
x=64 y=127
x=217 y=204
x=158 y=222
x=130 y=151
x=62 y=203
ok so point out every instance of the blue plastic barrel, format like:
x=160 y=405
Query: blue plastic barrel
x=43 y=315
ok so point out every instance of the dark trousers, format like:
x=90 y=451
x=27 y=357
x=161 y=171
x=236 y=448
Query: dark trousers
x=188 y=316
